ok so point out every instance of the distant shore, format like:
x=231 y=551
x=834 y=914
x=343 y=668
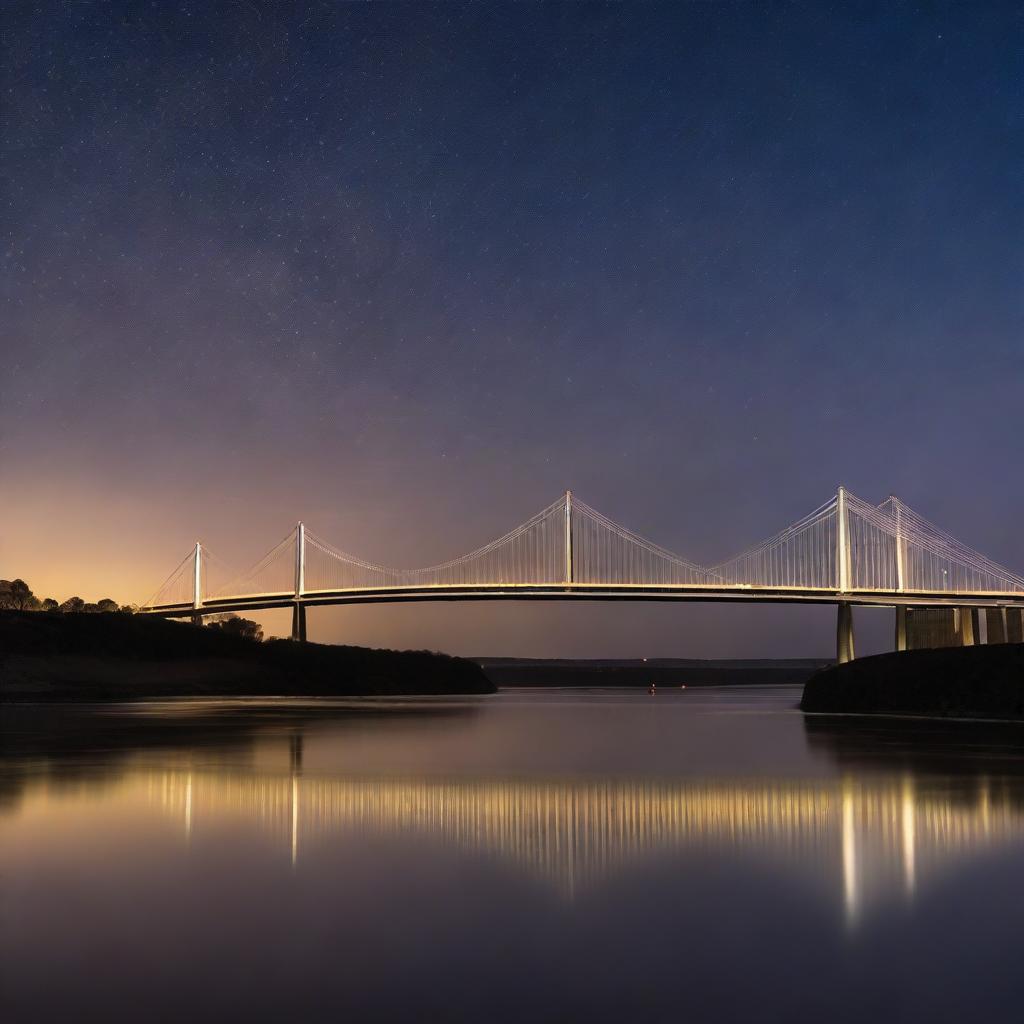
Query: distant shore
x=48 y=656
x=641 y=672
x=950 y=682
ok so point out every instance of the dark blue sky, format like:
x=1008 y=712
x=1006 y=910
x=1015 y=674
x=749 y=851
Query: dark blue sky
x=409 y=271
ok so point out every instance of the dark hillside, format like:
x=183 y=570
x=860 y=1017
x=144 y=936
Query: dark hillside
x=53 y=656
x=966 y=682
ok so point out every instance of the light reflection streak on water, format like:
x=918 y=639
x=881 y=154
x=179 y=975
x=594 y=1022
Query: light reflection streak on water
x=909 y=827
x=188 y=806
x=849 y=841
x=869 y=839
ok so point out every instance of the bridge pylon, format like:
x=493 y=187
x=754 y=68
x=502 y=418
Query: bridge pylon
x=298 y=608
x=197 y=585
x=568 y=537
x=842 y=542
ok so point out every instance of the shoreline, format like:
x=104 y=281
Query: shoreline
x=109 y=657
x=975 y=683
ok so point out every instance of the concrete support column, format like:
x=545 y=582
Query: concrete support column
x=844 y=632
x=933 y=627
x=995 y=625
x=968 y=635
x=1015 y=625
x=901 y=627
x=298 y=621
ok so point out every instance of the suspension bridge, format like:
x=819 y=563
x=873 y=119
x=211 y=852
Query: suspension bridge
x=846 y=552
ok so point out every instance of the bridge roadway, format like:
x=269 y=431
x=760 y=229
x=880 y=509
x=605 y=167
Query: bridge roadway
x=593 y=592
x=963 y=625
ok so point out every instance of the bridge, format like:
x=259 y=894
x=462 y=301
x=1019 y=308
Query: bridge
x=846 y=552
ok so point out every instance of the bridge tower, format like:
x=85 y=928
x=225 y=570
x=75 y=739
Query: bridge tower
x=844 y=610
x=568 y=537
x=298 y=608
x=901 y=573
x=197 y=585
x=842 y=542
x=901 y=550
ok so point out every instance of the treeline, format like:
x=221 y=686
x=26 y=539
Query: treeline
x=16 y=595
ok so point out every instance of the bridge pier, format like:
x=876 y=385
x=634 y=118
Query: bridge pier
x=938 y=627
x=844 y=632
x=968 y=626
x=298 y=621
x=1015 y=625
x=995 y=625
x=901 y=627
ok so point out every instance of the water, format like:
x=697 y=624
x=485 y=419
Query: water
x=534 y=856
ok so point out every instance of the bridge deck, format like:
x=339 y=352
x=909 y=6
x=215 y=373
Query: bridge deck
x=593 y=592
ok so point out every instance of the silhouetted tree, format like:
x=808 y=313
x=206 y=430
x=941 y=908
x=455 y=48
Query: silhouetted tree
x=18 y=595
x=129 y=609
x=237 y=626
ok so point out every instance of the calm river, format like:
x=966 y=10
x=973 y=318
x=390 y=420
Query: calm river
x=532 y=856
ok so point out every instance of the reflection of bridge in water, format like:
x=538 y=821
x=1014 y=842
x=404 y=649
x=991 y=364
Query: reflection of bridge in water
x=868 y=841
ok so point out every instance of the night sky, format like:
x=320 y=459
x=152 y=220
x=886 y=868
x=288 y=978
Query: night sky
x=408 y=272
